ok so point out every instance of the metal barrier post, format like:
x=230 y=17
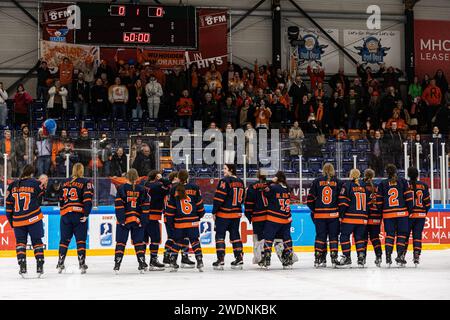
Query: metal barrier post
x=300 y=176
x=94 y=174
x=128 y=161
x=443 y=176
x=431 y=175
x=187 y=162
x=354 y=161
x=405 y=153
x=417 y=159
x=67 y=165
x=244 y=156
x=5 y=177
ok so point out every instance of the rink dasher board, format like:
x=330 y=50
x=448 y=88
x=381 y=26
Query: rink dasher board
x=102 y=225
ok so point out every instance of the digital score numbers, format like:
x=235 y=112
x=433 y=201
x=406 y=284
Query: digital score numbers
x=128 y=25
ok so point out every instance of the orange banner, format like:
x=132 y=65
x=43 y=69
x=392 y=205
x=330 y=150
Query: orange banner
x=161 y=59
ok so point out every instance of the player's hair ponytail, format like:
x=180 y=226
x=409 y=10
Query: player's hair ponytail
x=328 y=171
x=183 y=176
x=413 y=174
x=77 y=171
x=132 y=176
x=369 y=174
x=355 y=174
x=28 y=171
x=391 y=171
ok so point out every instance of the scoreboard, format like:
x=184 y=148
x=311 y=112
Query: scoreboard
x=137 y=25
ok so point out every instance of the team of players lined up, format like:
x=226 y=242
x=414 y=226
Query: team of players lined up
x=355 y=207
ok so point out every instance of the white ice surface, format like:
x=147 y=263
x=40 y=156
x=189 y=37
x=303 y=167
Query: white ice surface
x=431 y=280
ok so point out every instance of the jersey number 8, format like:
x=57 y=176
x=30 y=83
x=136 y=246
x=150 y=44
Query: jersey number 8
x=327 y=195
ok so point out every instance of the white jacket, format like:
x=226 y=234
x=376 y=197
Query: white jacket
x=3 y=96
x=154 y=92
x=52 y=92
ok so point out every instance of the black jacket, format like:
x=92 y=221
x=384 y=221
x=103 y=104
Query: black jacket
x=118 y=165
x=144 y=164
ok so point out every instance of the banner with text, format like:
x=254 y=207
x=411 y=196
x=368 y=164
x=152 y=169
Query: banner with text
x=54 y=19
x=432 y=46
x=372 y=49
x=79 y=55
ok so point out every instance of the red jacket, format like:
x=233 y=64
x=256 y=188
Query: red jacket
x=185 y=106
x=432 y=95
x=21 y=102
x=315 y=77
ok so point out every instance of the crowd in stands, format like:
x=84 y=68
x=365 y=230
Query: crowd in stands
x=371 y=105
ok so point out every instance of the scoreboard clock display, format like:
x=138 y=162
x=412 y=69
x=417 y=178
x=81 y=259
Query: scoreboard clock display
x=132 y=25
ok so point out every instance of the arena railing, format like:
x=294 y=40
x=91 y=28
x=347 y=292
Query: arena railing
x=300 y=158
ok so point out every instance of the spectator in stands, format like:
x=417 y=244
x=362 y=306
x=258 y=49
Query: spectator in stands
x=213 y=82
x=144 y=161
x=296 y=137
x=388 y=103
x=23 y=147
x=353 y=110
x=377 y=148
x=213 y=71
x=443 y=119
x=43 y=152
x=154 y=92
x=316 y=76
x=250 y=143
x=394 y=142
x=441 y=82
x=334 y=113
x=391 y=76
x=7 y=147
x=61 y=158
x=118 y=163
x=425 y=81
x=244 y=113
x=278 y=111
x=99 y=100
x=312 y=137
x=415 y=89
x=194 y=78
x=185 y=108
x=43 y=75
x=262 y=115
x=3 y=106
x=262 y=75
x=297 y=91
x=401 y=124
x=341 y=78
x=58 y=145
x=136 y=147
x=432 y=97
x=319 y=92
x=118 y=97
x=176 y=83
x=80 y=96
x=208 y=110
x=22 y=101
x=360 y=91
x=228 y=113
x=437 y=138
x=373 y=111
x=105 y=70
x=236 y=84
x=136 y=99
x=57 y=102
x=365 y=74
x=277 y=78
x=66 y=74
x=83 y=147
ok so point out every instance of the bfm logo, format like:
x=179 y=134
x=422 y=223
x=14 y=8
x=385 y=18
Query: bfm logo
x=72 y=14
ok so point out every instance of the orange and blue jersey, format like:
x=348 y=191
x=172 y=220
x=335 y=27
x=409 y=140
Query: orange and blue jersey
x=157 y=191
x=131 y=202
x=279 y=203
x=421 y=202
x=23 y=204
x=375 y=215
x=354 y=203
x=394 y=198
x=229 y=198
x=187 y=212
x=323 y=199
x=76 y=196
x=255 y=202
